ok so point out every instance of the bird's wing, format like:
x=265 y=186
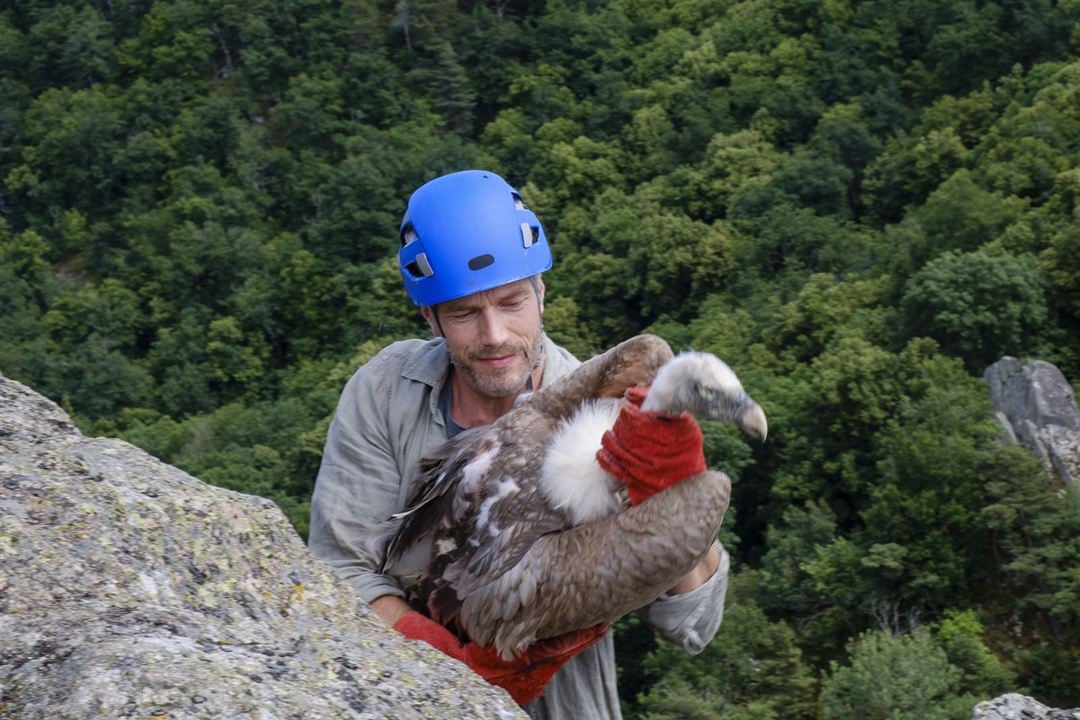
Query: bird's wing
x=631 y=362
x=502 y=522
x=435 y=498
x=600 y=571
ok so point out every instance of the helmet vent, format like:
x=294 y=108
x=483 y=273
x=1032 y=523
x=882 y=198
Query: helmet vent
x=481 y=261
x=408 y=235
x=420 y=267
x=529 y=234
x=518 y=204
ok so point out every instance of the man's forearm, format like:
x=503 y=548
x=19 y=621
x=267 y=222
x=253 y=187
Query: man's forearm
x=700 y=574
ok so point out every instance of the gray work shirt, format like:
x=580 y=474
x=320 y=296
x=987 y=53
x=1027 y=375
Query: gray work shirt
x=388 y=417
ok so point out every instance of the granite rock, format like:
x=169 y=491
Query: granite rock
x=1036 y=407
x=1014 y=706
x=131 y=589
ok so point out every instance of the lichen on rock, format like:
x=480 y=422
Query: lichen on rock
x=1014 y=706
x=131 y=589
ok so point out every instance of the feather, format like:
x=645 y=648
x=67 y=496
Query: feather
x=572 y=482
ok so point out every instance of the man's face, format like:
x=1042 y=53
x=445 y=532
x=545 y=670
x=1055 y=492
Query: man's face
x=494 y=337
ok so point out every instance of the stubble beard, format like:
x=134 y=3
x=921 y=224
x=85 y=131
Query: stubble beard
x=499 y=382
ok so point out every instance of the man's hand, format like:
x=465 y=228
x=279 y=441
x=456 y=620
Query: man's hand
x=524 y=677
x=651 y=451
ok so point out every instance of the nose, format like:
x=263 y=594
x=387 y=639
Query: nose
x=493 y=328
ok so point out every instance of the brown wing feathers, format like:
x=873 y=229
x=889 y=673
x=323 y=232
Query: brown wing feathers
x=632 y=362
x=431 y=505
x=598 y=572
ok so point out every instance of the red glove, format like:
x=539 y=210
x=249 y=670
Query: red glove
x=650 y=451
x=524 y=677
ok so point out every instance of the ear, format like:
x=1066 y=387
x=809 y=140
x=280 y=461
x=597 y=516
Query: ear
x=429 y=315
x=540 y=293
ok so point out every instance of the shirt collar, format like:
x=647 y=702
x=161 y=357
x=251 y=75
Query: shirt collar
x=429 y=364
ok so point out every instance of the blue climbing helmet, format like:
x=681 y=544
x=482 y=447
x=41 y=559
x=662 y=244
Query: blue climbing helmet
x=467 y=232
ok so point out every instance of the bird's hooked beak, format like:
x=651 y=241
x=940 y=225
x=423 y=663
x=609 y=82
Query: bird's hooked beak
x=704 y=385
x=750 y=418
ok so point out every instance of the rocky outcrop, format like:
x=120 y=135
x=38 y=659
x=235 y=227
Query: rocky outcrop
x=1036 y=407
x=130 y=589
x=1020 y=707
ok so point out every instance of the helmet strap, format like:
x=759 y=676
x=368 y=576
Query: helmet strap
x=438 y=324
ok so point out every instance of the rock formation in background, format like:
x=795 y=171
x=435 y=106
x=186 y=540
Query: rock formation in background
x=130 y=589
x=1036 y=406
x=1020 y=707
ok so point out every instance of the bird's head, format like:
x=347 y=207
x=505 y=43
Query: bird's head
x=704 y=385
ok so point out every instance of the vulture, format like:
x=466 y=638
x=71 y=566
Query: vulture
x=513 y=533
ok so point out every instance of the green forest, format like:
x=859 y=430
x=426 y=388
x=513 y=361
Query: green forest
x=858 y=204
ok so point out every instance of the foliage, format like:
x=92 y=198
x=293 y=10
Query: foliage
x=977 y=305
x=753 y=669
x=901 y=678
x=919 y=674
x=858 y=205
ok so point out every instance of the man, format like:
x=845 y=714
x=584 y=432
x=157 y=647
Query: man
x=471 y=258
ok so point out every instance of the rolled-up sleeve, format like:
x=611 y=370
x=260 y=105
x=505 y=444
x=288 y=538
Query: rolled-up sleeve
x=691 y=619
x=358 y=486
